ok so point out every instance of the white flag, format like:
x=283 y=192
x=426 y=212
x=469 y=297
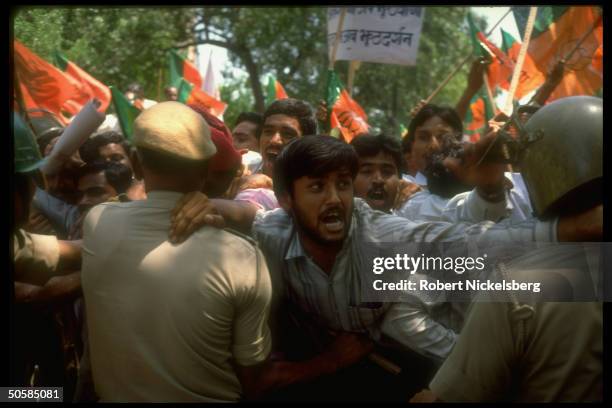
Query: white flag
x=210 y=84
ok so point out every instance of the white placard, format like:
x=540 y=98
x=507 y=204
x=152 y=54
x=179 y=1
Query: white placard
x=388 y=35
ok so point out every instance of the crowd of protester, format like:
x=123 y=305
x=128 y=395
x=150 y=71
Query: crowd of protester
x=203 y=263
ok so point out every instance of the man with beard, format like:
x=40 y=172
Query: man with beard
x=437 y=133
x=313 y=244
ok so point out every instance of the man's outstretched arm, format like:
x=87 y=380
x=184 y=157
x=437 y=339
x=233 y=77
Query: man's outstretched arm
x=195 y=210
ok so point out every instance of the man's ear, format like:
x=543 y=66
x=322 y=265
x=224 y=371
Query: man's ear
x=138 y=173
x=285 y=202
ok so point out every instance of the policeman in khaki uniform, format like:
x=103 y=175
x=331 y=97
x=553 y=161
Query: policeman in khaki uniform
x=538 y=350
x=170 y=322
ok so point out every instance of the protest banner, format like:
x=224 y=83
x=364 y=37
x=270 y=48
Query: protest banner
x=387 y=35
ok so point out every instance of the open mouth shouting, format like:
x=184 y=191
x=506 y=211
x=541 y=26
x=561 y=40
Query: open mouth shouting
x=272 y=154
x=377 y=197
x=333 y=220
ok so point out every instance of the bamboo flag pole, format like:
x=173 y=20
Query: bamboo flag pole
x=466 y=59
x=353 y=66
x=518 y=67
x=332 y=60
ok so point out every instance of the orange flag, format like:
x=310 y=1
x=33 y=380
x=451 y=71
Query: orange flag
x=562 y=29
x=346 y=114
x=42 y=85
x=189 y=94
x=531 y=78
x=88 y=86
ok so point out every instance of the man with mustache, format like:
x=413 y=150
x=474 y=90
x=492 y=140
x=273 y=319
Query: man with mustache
x=380 y=161
x=313 y=243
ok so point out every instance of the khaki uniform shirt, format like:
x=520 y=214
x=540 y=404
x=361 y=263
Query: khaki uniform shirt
x=36 y=257
x=531 y=350
x=166 y=322
x=555 y=355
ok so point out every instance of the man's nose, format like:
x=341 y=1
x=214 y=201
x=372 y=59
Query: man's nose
x=377 y=178
x=276 y=139
x=333 y=196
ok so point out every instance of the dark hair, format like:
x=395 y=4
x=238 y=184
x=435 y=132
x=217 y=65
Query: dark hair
x=252 y=117
x=314 y=156
x=446 y=113
x=296 y=108
x=118 y=175
x=162 y=163
x=90 y=150
x=406 y=143
x=369 y=145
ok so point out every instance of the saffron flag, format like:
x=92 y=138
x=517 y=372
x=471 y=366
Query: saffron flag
x=42 y=85
x=531 y=78
x=557 y=32
x=181 y=68
x=126 y=113
x=274 y=90
x=88 y=86
x=192 y=95
x=345 y=114
x=478 y=116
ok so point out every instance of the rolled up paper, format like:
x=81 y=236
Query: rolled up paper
x=77 y=132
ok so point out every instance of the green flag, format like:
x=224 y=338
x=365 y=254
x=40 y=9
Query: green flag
x=274 y=90
x=126 y=113
x=181 y=68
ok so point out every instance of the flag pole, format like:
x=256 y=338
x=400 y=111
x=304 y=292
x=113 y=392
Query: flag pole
x=466 y=59
x=518 y=67
x=332 y=60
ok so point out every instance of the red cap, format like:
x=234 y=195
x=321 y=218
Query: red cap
x=227 y=157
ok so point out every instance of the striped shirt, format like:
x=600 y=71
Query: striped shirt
x=334 y=300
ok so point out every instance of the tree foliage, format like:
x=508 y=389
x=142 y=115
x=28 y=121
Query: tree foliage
x=116 y=45
x=123 y=45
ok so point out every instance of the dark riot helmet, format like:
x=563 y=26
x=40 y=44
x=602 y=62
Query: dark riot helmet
x=562 y=162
